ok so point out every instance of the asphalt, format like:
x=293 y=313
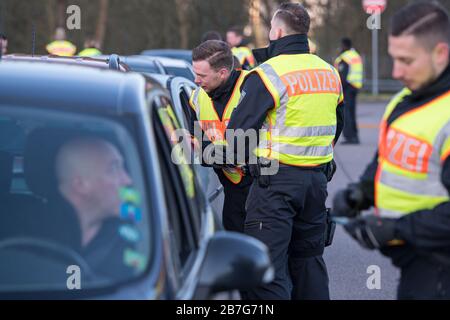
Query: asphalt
x=349 y=266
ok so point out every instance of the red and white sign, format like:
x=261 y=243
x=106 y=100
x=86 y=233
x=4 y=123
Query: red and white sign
x=374 y=6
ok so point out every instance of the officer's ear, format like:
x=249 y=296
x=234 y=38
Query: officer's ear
x=441 y=53
x=223 y=73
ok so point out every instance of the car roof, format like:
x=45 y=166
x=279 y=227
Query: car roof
x=97 y=62
x=72 y=88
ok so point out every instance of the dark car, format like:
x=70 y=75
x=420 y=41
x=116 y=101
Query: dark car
x=185 y=55
x=151 y=235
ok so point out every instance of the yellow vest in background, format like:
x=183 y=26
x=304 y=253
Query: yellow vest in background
x=356 y=67
x=90 y=52
x=244 y=53
x=61 y=48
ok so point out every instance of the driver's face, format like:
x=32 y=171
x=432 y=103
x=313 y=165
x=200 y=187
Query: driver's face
x=108 y=176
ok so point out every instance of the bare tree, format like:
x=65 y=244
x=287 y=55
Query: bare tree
x=61 y=6
x=102 y=22
x=182 y=7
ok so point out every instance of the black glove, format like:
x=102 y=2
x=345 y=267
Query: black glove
x=373 y=232
x=348 y=202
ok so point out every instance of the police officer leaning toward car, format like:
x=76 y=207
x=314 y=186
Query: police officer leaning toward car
x=296 y=98
x=408 y=181
x=212 y=105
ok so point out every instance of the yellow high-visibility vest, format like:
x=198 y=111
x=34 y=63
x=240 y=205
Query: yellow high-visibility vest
x=89 y=52
x=61 y=48
x=411 y=151
x=301 y=128
x=244 y=53
x=213 y=126
x=356 y=67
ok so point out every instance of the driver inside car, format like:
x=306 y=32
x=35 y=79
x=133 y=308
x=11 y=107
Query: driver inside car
x=91 y=175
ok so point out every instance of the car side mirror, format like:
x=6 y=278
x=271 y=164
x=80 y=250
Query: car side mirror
x=233 y=261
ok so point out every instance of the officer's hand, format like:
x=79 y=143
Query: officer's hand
x=216 y=155
x=373 y=232
x=347 y=202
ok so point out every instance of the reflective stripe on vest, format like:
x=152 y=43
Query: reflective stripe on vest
x=300 y=129
x=90 y=52
x=61 y=48
x=410 y=153
x=212 y=125
x=244 y=53
x=356 y=68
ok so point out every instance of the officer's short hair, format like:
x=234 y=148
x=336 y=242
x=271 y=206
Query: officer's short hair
x=3 y=36
x=426 y=20
x=216 y=52
x=236 y=30
x=211 y=35
x=295 y=17
x=346 y=43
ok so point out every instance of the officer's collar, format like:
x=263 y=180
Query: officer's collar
x=439 y=86
x=226 y=87
x=293 y=44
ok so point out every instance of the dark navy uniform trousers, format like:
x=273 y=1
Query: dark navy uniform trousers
x=289 y=216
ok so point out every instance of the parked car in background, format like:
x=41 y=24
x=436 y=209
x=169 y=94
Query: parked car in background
x=185 y=55
x=142 y=64
x=104 y=62
x=157 y=65
x=156 y=237
x=177 y=67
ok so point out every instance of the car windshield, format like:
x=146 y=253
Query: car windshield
x=180 y=72
x=72 y=210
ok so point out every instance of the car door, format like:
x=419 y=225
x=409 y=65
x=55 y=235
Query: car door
x=190 y=218
x=180 y=91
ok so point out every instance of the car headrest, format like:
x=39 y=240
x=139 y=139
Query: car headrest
x=41 y=149
x=6 y=172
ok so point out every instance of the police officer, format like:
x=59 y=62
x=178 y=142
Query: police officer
x=3 y=44
x=408 y=181
x=235 y=40
x=350 y=66
x=60 y=46
x=212 y=105
x=293 y=96
x=91 y=48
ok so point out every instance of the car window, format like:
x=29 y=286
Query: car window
x=181 y=91
x=180 y=72
x=73 y=210
x=178 y=188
